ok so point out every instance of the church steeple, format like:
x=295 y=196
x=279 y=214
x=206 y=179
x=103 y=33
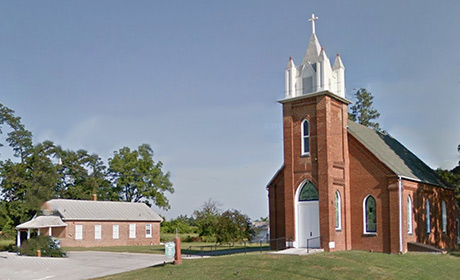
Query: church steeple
x=315 y=73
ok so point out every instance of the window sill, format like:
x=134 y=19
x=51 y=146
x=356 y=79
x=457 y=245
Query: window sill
x=338 y=229
x=370 y=234
x=304 y=155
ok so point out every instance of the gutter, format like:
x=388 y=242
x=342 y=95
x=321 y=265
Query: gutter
x=400 y=215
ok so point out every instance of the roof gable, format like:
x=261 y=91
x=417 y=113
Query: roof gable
x=88 y=210
x=394 y=155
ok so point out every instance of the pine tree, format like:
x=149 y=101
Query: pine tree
x=362 y=111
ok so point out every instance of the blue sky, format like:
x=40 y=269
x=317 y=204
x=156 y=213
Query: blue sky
x=199 y=81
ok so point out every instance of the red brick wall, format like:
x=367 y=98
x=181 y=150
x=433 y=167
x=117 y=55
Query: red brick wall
x=337 y=161
x=276 y=211
x=67 y=235
x=326 y=166
x=370 y=177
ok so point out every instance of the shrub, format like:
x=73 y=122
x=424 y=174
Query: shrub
x=47 y=246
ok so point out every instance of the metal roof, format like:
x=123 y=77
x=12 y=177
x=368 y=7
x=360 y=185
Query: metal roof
x=43 y=222
x=88 y=210
x=394 y=155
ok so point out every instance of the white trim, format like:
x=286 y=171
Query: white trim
x=18 y=238
x=78 y=232
x=303 y=138
x=339 y=202
x=97 y=231
x=115 y=232
x=365 y=216
x=427 y=216
x=410 y=224
x=132 y=230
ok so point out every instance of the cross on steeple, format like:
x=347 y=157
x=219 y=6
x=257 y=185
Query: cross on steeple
x=312 y=19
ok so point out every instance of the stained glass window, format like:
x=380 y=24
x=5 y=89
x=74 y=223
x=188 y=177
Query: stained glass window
x=409 y=215
x=338 y=211
x=305 y=138
x=370 y=215
x=308 y=192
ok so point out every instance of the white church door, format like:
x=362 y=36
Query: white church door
x=307 y=213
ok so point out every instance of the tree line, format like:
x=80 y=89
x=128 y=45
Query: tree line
x=212 y=224
x=43 y=171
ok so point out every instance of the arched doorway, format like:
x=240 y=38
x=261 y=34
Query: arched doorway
x=307 y=216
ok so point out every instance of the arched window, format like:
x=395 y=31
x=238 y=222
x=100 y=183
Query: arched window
x=308 y=192
x=370 y=215
x=444 y=217
x=427 y=215
x=305 y=137
x=338 y=211
x=409 y=215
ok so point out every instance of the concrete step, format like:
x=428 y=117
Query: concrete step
x=420 y=247
x=297 y=251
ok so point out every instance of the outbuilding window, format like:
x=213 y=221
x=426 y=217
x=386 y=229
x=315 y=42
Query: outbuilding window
x=370 y=215
x=338 y=211
x=305 y=137
x=97 y=231
x=78 y=232
x=132 y=230
x=115 y=231
x=148 y=230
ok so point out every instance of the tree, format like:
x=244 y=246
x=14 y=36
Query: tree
x=362 y=111
x=25 y=185
x=138 y=178
x=19 y=139
x=206 y=218
x=81 y=175
x=233 y=226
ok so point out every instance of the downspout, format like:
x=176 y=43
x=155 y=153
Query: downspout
x=400 y=215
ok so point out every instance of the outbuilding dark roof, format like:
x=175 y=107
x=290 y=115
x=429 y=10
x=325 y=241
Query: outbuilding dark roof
x=394 y=155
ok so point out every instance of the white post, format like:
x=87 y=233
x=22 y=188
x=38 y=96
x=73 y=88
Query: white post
x=18 y=239
x=50 y=231
x=38 y=231
x=28 y=233
x=400 y=188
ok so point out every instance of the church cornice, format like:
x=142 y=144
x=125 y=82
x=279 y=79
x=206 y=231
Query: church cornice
x=315 y=94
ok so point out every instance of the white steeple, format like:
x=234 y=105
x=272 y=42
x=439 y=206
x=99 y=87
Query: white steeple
x=315 y=74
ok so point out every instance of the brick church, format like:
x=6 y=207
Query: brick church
x=344 y=186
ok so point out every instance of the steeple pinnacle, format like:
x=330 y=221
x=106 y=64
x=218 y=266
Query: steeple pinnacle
x=315 y=73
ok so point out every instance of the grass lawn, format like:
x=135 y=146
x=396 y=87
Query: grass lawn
x=338 y=265
x=160 y=249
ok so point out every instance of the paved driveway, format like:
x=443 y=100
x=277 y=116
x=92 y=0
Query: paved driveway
x=78 y=265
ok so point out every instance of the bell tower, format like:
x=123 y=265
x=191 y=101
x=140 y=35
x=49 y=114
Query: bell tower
x=315 y=120
x=315 y=73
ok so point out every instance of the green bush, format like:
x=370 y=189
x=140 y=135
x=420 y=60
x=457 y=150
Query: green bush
x=45 y=244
